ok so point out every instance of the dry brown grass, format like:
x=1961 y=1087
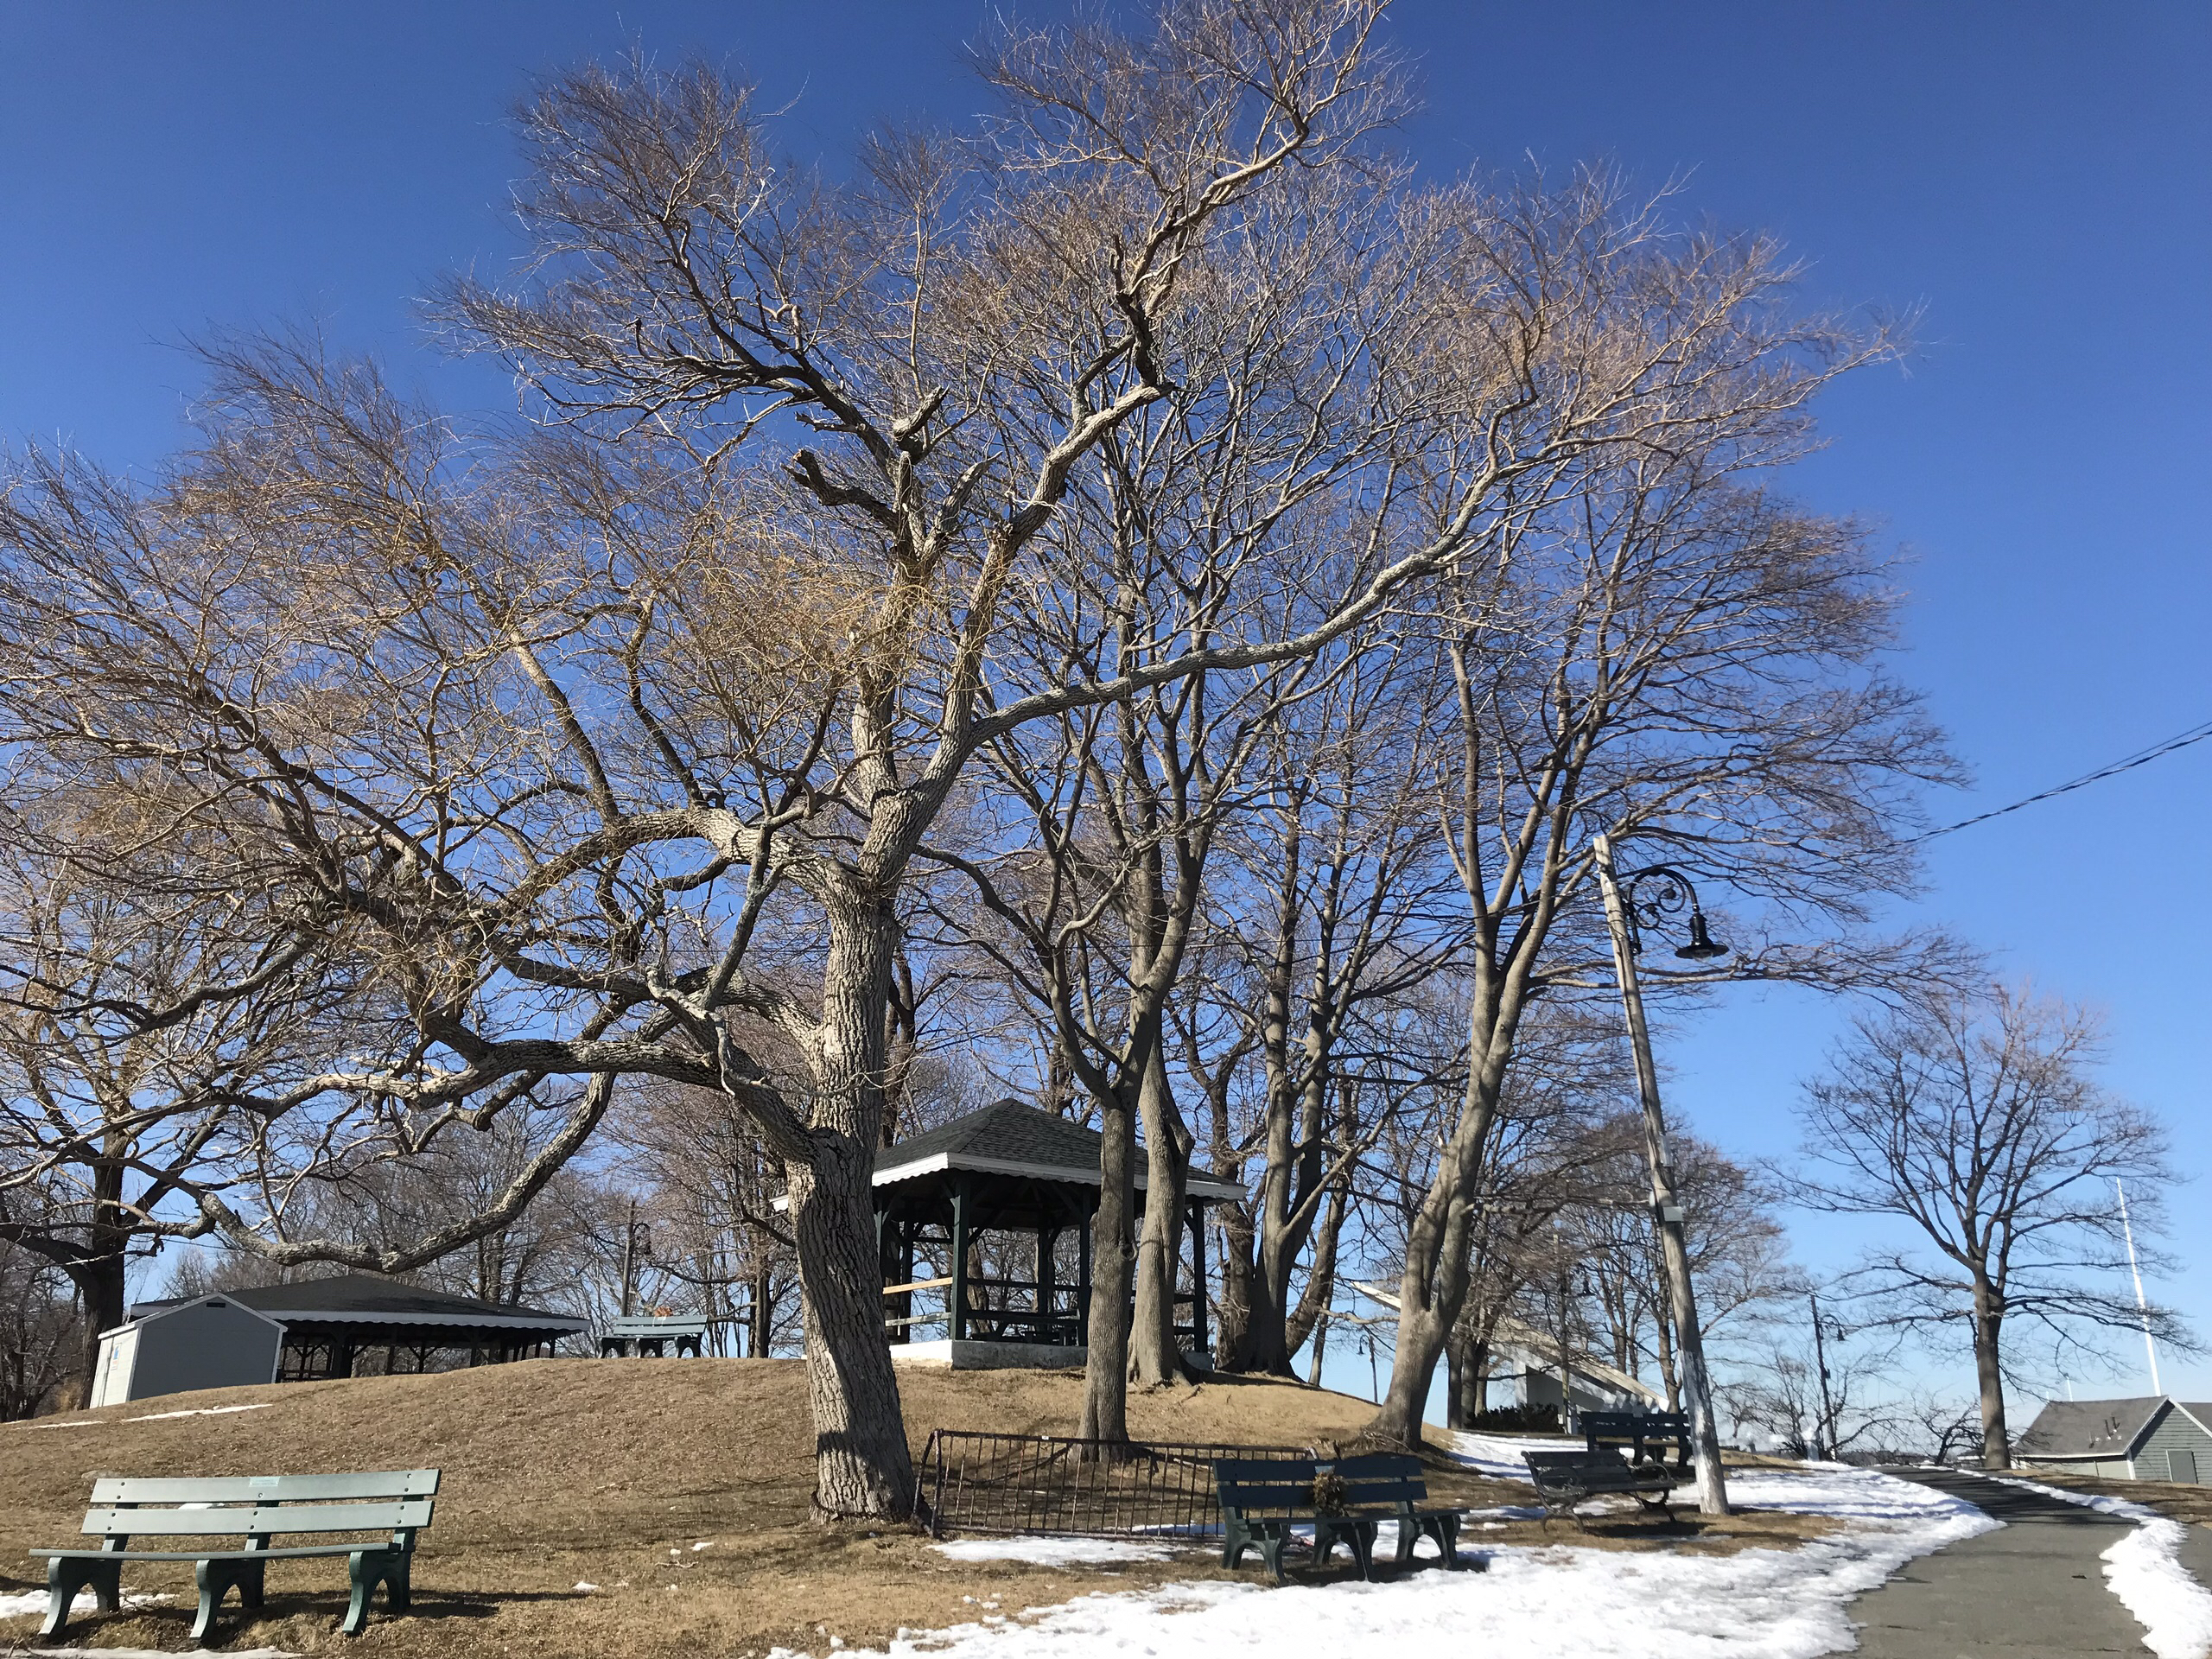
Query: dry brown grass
x=2190 y=1505
x=558 y=1471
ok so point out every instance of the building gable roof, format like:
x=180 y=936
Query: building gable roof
x=142 y=1313
x=2092 y=1428
x=1009 y=1137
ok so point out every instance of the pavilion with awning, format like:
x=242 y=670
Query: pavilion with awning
x=969 y=1221
x=329 y=1323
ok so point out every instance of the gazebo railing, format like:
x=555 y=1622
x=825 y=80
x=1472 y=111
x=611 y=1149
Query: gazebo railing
x=974 y=1482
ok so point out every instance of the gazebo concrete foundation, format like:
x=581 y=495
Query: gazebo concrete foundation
x=967 y=1355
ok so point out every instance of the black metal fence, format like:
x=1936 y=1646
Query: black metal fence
x=1025 y=1483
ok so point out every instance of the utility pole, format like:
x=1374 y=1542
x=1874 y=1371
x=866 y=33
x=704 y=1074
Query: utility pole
x=1666 y=1201
x=2142 y=1306
x=1823 y=1442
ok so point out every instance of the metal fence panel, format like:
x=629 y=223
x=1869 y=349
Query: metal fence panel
x=1025 y=1482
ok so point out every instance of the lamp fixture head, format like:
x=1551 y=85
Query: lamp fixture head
x=1702 y=945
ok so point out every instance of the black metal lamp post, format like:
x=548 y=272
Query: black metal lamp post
x=1642 y=898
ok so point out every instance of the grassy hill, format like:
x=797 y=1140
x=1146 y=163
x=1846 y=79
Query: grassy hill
x=562 y=1471
x=607 y=1473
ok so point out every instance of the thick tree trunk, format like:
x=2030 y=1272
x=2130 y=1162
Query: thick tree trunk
x=1232 y=1253
x=1988 y=1319
x=1439 y=1243
x=1155 y=1356
x=1105 y=1376
x=98 y=1273
x=862 y=1467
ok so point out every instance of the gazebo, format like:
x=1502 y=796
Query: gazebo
x=961 y=1209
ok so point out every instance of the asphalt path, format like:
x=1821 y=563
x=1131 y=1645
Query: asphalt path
x=2032 y=1589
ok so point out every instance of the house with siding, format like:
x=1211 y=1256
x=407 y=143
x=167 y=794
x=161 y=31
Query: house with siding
x=2149 y=1438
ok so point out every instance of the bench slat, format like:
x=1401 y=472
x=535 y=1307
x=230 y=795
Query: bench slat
x=261 y=1518
x=113 y=1490
x=289 y=1550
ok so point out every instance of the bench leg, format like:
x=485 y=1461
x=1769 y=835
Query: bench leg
x=216 y=1580
x=1234 y=1541
x=364 y=1570
x=1271 y=1548
x=65 y=1576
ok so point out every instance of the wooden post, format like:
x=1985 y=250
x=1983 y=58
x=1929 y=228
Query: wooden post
x=1665 y=1206
x=1198 y=1344
x=959 y=1273
x=1046 y=1236
x=904 y=1304
x=1083 y=1273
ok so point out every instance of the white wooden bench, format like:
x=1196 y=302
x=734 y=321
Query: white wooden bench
x=252 y=1510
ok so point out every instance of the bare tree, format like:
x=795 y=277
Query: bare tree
x=1680 y=664
x=559 y=724
x=1977 y=1120
x=134 y=1014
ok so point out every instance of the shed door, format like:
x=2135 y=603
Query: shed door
x=118 y=1357
x=2181 y=1467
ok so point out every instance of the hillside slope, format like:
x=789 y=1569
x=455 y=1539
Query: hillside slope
x=604 y=1472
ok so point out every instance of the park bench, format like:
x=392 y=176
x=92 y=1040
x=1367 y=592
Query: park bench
x=651 y=1334
x=1264 y=1499
x=1645 y=1436
x=252 y=1510
x=1563 y=1479
x=1394 y=1479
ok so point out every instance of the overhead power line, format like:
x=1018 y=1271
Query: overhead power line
x=2141 y=756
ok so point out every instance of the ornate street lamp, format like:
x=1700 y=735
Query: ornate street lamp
x=1647 y=898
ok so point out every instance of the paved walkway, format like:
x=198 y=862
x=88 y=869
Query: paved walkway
x=2032 y=1589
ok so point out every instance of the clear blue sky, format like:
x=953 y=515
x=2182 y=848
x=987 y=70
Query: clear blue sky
x=2037 y=177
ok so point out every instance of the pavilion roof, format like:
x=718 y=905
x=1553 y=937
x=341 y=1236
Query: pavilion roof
x=1010 y=1138
x=364 y=1299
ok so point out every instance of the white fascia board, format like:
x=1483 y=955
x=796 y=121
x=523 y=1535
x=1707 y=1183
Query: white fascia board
x=200 y=1301
x=1198 y=1186
x=486 y=1321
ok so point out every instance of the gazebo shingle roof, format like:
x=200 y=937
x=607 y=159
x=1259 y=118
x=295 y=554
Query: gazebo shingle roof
x=1010 y=1137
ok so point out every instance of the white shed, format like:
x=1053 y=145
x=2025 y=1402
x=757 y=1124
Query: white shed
x=210 y=1342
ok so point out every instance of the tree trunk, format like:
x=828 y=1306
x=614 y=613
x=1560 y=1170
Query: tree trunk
x=1668 y=1374
x=1155 y=1356
x=1105 y=1374
x=1439 y=1244
x=862 y=1467
x=1989 y=1319
x=1320 y=1275
x=98 y=1273
x=1233 y=1242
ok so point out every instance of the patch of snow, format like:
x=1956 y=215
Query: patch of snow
x=1499 y=1455
x=2144 y=1570
x=704 y=1543
x=201 y=1411
x=586 y=1588
x=155 y=1652
x=24 y=1603
x=1054 y=1552
x=1540 y=1602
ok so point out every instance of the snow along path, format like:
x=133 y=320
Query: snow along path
x=1550 y=1602
x=2144 y=1570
